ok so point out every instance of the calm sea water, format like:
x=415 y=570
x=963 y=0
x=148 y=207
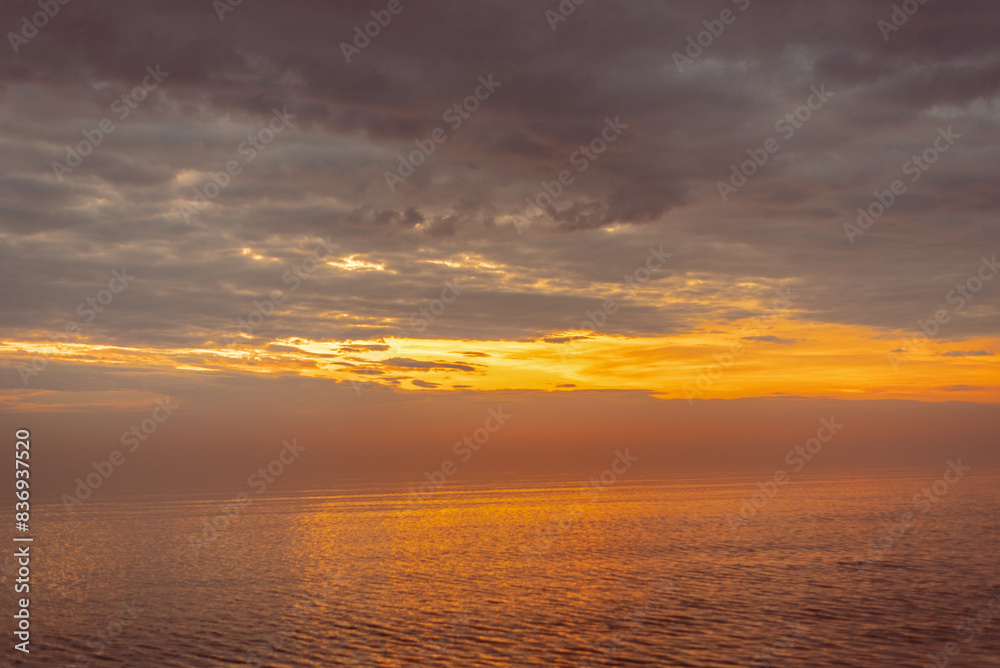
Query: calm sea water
x=647 y=573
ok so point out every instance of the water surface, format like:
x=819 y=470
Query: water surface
x=643 y=573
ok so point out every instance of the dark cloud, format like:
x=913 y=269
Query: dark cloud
x=967 y=353
x=770 y=339
x=325 y=175
x=562 y=339
x=405 y=363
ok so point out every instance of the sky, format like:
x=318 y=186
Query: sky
x=635 y=222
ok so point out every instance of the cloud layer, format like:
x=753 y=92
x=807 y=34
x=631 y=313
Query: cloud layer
x=595 y=111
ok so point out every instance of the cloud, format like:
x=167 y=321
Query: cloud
x=363 y=348
x=324 y=176
x=563 y=339
x=967 y=353
x=404 y=363
x=770 y=339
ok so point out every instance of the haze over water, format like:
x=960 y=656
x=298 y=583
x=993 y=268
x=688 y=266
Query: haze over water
x=647 y=572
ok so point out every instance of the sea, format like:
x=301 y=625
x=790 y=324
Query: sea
x=838 y=570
